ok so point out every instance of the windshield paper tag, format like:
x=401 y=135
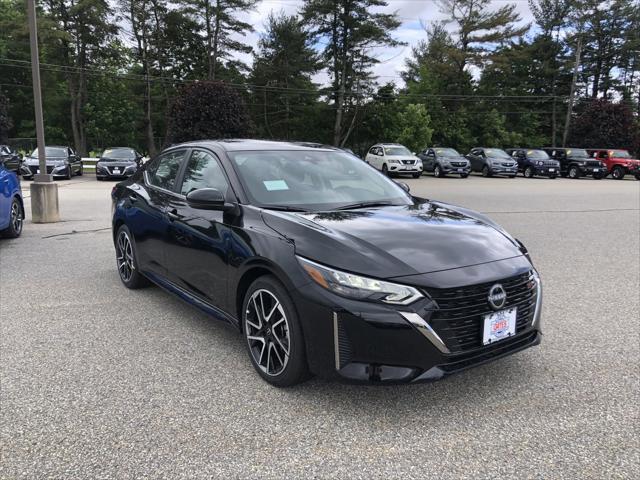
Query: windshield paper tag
x=272 y=185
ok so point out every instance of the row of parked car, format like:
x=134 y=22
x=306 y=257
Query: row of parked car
x=394 y=159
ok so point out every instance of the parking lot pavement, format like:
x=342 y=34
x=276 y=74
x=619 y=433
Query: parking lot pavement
x=101 y=382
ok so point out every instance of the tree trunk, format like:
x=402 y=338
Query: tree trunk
x=572 y=92
x=213 y=65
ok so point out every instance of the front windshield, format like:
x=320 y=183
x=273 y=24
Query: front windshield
x=496 y=153
x=619 y=154
x=447 y=152
x=313 y=180
x=396 y=151
x=51 y=152
x=537 y=154
x=577 y=152
x=119 y=153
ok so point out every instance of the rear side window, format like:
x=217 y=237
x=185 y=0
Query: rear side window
x=204 y=171
x=164 y=171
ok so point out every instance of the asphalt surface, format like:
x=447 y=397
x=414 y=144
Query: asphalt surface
x=101 y=382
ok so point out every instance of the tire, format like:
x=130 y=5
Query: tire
x=80 y=172
x=273 y=334
x=437 y=172
x=70 y=173
x=385 y=170
x=528 y=172
x=128 y=271
x=598 y=176
x=637 y=175
x=552 y=177
x=512 y=176
x=617 y=173
x=486 y=172
x=16 y=220
x=416 y=175
x=574 y=172
x=100 y=179
x=464 y=175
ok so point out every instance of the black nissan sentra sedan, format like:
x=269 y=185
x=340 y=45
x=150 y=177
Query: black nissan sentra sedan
x=117 y=162
x=325 y=265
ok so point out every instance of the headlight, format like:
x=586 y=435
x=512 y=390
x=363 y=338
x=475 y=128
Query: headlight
x=357 y=287
x=394 y=161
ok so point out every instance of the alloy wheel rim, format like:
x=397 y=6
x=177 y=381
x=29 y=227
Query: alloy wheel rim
x=125 y=257
x=16 y=217
x=267 y=331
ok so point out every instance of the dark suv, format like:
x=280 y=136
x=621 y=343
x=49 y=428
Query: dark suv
x=441 y=161
x=575 y=162
x=492 y=161
x=532 y=162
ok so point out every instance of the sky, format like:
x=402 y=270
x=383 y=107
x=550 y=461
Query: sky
x=412 y=13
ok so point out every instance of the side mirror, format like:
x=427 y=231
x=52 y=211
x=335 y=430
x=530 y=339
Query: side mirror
x=206 y=199
x=404 y=186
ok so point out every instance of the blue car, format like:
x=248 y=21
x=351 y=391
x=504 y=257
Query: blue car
x=11 y=204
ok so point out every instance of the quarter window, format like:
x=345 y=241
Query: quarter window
x=203 y=171
x=164 y=171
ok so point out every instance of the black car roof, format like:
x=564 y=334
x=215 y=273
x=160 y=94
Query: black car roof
x=238 y=145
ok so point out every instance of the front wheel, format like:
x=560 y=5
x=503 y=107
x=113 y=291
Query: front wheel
x=70 y=173
x=16 y=217
x=273 y=333
x=485 y=171
x=127 y=260
x=81 y=171
x=385 y=170
x=637 y=175
x=416 y=175
x=617 y=173
x=437 y=172
x=464 y=175
x=574 y=172
x=528 y=172
x=598 y=176
x=552 y=177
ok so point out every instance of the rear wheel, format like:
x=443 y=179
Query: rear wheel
x=617 y=173
x=528 y=172
x=485 y=171
x=273 y=333
x=127 y=260
x=16 y=217
x=574 y=172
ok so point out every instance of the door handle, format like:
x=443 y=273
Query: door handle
x=172 y=214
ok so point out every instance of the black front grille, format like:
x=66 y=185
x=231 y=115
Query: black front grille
x=458 y=164
x=458 y=321
x=34 y=169
x=592 y=164
x=408 y=162
x=508 y=164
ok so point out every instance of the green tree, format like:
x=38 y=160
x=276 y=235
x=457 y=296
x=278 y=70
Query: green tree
x=283 y=67
x=206 y=110
x=5 y=121
x=350 y=31
x=413 y=127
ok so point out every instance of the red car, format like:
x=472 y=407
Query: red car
x=619 y=162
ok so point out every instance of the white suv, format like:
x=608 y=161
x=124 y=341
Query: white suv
x=392 y=158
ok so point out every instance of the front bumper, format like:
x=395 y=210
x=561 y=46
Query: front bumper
x=592 y=170
x=366 y=342
x=104 y=173
x=401 y=168
x=55 y=171
x=456 y=170
x=547 y=171
x=500 y=170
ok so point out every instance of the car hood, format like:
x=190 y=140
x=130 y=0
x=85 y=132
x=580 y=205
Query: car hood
x=454 y=159
x=628 y=160
x=393 y=241
x=49 y=160
x=115 y=160
x=402 y=157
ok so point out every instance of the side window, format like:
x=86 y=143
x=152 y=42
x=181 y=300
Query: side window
x=602 y=155
x=431 y=153
x=163 y=172
x=203 y=171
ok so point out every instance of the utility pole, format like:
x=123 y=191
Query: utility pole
x=44 y=192
x=572 y=92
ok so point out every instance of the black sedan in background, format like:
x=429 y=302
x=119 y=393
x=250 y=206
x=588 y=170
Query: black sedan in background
x=62 y=162
x=532 y=162
x=117 y=162
x=14 y=162
x=442 y=161
x=325 y=265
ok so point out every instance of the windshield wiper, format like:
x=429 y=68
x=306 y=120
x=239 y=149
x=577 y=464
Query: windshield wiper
x=284 y=208
x=364 y=204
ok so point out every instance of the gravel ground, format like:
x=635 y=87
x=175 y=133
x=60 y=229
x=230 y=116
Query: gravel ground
x=101 y=382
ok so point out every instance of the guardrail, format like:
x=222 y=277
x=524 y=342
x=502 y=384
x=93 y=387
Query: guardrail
x=89 y=164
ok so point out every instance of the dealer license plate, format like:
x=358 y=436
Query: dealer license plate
x=37 y=170
x=552 y=169
x=116 y=170
x=499 y=325
x=461 y=169
x=596 y=169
